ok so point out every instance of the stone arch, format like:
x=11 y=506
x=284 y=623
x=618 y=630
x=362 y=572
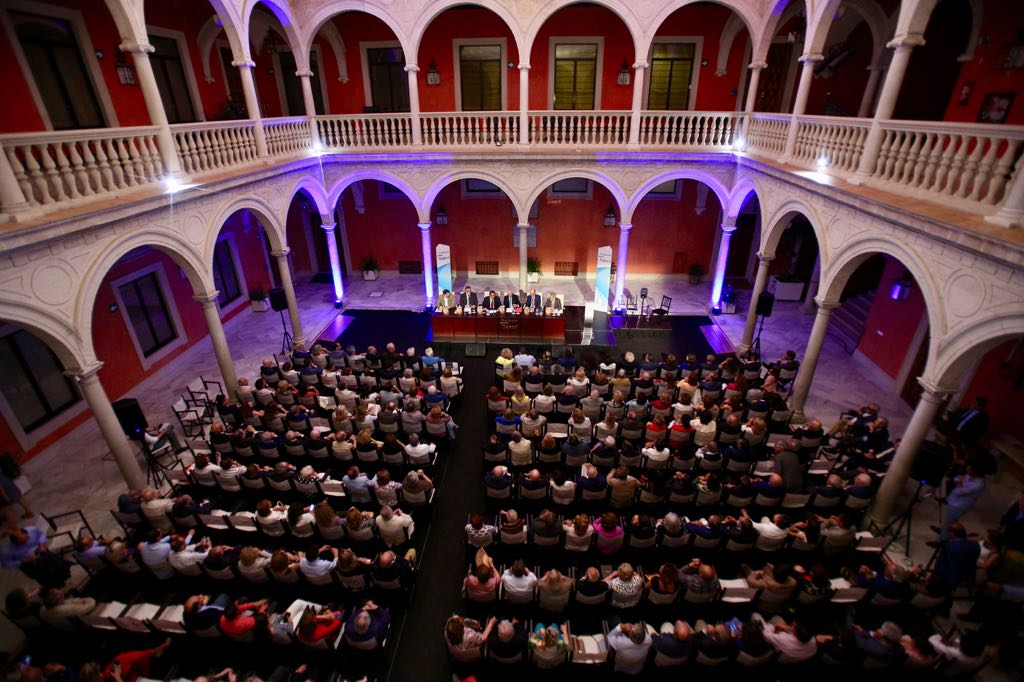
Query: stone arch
x=774 y=225
x=619 y=7
x=183 y=254
x=835 y=276
x=544 y=183
x=283 y=13
x=205 y=40
x=733 y=25
x=434 y=9
x=315 y=191
x=128 y=17
x=336 y=190
x=324 y=12
x=776 y=15
x=741 y=192
x=329 y=32
x=749 y=21
x=682 y=174
x=962 y=349
x=449 y=178
x=237 y=33
x=267 y=219
x=913 y=17
x=56 y=333
x=820 y=25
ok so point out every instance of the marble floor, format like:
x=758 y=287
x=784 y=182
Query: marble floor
x=76 y=472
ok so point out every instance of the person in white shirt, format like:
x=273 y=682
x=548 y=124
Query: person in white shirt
x=774 y=528
x=520 y=451
x=524 y=359
x=319 y=561
x=631 y=643
x=518 y=581
x=419 y=453
x=704 y=428
x=657 y=458
x=156 y=509
x=394 y=527
x=793 y=642
x=185 y=556
x=253 y=563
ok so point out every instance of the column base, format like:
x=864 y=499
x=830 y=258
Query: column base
x=799 y=417
x=339 y=304
x=742 y=349
x=299 y=341
x=1006 y=219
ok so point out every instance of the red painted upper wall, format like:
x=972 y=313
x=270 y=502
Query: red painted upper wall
x=997 y=379
x=354 y=28
x=479 y=228
x=984 y=74
x=714 y=93
x=584 y=21
x=438 y=45
x=386 y=230
x=897 y=321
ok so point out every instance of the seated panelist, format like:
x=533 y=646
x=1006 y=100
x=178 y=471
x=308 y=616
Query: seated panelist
x=491 y=302
x=446 y=302
x=511 y=300
x=533 y=303
x=552 y=306
x=468 y=299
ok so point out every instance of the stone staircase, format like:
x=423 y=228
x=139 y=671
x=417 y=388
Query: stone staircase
x=849 y=320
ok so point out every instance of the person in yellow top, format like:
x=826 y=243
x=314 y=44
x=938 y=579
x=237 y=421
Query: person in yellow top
x=504 y=361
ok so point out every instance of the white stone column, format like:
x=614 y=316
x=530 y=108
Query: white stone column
x=620 y=263
x=902 y=48
x=328 y=227
x=12 y=199
x=524 y=104
x=805 y=375
x=524 y=245
x=800 y=104
x=103 y=412
x=807 y=306
x=428 y=262
x=1011 y=213
x=894 y=483
x=760 y=282
x=411 y=71
x=211 y=313
x=874 y=74
x=717 y=282
x=155 y=107
x=309 y=103
x=638 y=102
x=752 y=84
x=252 y=104
x=284 y=269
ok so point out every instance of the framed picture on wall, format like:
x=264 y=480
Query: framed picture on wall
x=995 y=107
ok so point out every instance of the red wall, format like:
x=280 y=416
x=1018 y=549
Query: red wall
x=354 y=27
x=714 y=93
x=386 y=229
x=985 y=71
x=478 y=228
x=122 y=368
x=577 y=20
x=437 y=44
x=845 y=88
x=663 y=227
x=896 y=320
x=998 y=384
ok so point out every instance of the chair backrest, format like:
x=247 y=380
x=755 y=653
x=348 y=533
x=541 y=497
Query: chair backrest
x=642 y=543
x=591 y=599
x=228 y=482
x=225 y=574
x=282 y=485
x=356 y=582
x=698 y=598
x=744 y=659
x=512 y=538
x=796 y=501
x=254 y=484
x=659 y=598
x=768 y=545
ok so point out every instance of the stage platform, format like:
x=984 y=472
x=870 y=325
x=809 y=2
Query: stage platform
x=678 y=334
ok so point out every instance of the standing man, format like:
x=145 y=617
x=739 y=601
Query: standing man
x=967 y=489
x=468 y=299
x=968 y=425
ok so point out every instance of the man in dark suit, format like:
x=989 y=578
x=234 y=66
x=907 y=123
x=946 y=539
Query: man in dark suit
x=492 y=301
x=533 y=302
x=468 y=298
x=510 y=300
x=970 y=424
x=553 y=303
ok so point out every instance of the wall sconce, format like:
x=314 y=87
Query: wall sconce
x=433 y=75
x=625 y=77
x=441 y=218
x=900 y=290
x=125 y=70
x=609 y=218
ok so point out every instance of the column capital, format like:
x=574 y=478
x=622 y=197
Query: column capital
x=304 y=73
x=210 y=298
x=412 y=68
x=933 y=392
x=641 y=65
x=729 y=224
x=328 y=226
x=907 y=41
x=625 y=227
x=826 y=305
x=424 y=226
x=136 y=47
x=244 y=63
x=90 y=373
x=524 y=67
x=757 y=66
x=523 y=226
x=766 y=258
x=811 y=57
x=281 y=253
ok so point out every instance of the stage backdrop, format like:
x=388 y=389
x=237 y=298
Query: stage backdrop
x=444 y=268
x=604 y=272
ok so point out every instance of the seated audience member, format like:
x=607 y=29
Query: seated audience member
x=318 y=561
x=792 y=641
x=465 y=635
x=315 y=627
x=626 y=586
x=579 y=534
x=20 y=544
x=631 y=643
x=699 y=578
x=673 y=640
x=394 y=527
x=609 y=533
x=368 y=624
x=241 y=617
x=507 y=641
x=479 y=534
x=60 y=611
x=518 y=582
x=133 y=665
x=883 y=644
x=714 y=641
x=481 y=584
x=777 y=585
x=966 y=654
x=958 y=557
x=548 y=645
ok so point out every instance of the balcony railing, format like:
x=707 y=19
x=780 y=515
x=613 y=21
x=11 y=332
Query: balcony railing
x=969 y=166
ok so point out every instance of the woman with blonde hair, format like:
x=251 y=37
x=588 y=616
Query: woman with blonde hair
x=755 y=430
x=504 y=361
x=520 y=401
x=253 y=563
x=554 y=589
x=626 y=586
x=579 y=534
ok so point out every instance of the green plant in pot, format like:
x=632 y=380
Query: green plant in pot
x=694 y=273
x=533 y=269
x=370 y=268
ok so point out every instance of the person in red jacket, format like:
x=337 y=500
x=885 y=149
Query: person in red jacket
x=324 y=626
x=241 y=617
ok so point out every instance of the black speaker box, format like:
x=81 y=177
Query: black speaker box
x=765 y=304
x=931 y=463
x=278 y=301
x=130 y=415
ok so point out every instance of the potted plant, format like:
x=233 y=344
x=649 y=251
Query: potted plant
x=694 y=273
x=788 y=286
x=258 y=300
x=533 y=269
x=370 y=268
